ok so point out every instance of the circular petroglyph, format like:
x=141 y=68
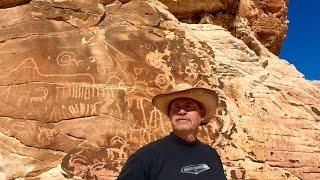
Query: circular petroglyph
x=162 y=81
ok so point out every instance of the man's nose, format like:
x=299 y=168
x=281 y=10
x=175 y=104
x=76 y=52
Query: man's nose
x=182 y=111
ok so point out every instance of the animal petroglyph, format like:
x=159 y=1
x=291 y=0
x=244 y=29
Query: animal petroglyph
x=23 y=97
x=53 y=102
x=38 y=95
x=91 y=163
x=42 y=134
x=28 y=70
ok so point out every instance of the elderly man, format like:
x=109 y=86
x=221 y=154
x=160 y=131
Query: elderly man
x=179 y=155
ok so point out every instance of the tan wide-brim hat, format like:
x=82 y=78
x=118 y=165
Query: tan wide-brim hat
x=207 y=97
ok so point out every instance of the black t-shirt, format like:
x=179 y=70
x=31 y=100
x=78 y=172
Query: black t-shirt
x=172 y=158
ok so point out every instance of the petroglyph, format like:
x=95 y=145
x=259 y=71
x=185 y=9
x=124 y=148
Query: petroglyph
x=24 y=96
x=38 y=95
x=183 y=57
x=104 y=63
x=59 y=112
x=139 y=99
x=137 y=71
x=92 y=163
x=68 y=58
x=192 y=69
x=53 y=102
x=156 y=120
x=28 y=70
x=82 y=109
x=148 y=47
x=80 y=91
x=85 y=42
x=42 y=134
x=162 y=81
x=4 y=97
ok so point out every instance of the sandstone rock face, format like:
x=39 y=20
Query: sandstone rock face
x=265 y=19
x=77 y=78
x=317 y=83
x=12 y=3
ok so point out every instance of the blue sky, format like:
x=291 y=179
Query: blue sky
x=301 y=46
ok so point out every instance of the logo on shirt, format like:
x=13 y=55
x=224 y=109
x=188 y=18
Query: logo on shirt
x=194 y=169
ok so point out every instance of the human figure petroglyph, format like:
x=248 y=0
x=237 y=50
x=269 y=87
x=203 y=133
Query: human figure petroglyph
x=138 y=98
x=117 y=140
x=140 y=72
x=122 y=144
x=157 y=120
x=116 y=153
x=192 y=69
x=67 y=58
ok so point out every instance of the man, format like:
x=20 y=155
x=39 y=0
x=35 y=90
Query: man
x=180 y=155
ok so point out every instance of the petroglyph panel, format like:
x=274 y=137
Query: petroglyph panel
x=89 y=94
x=53 y=102
x=77 y=78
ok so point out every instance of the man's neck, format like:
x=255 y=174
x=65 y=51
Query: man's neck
x=189 y=136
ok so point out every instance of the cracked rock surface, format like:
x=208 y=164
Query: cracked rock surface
x=264 y=19
x=77 y=78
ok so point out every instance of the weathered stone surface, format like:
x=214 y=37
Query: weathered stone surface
x=12 y=3
x=77 y=78
x=316 y=83
x=265 y=19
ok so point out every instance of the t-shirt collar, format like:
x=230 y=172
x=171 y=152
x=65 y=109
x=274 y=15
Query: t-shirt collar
x=182 y=141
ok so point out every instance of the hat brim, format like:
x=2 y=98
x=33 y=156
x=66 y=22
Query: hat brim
x=206 y=97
